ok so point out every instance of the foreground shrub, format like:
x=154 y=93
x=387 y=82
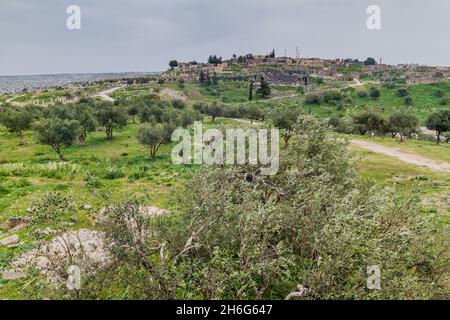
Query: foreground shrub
x=239 y=235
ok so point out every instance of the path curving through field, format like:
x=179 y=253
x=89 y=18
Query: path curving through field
x=415 y=159
x=105 y=95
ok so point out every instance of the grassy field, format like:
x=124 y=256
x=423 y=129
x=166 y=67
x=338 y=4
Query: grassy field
x=425 y=100
x=427 y=149
x=432 y=187
x=101 y=171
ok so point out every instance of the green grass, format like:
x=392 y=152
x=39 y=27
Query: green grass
x=432 y=187
x=424 y=98
x=37 y=165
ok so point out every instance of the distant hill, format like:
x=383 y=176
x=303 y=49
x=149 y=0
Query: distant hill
x=14 y=84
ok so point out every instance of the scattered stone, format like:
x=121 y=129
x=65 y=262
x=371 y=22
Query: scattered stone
x=14 y=222
x=152 y=211
x=87 y=249
x=87 y=207
x=10 y=241
x=12 y=275
x=448 y=202
x=43 y=232
x=18 y=228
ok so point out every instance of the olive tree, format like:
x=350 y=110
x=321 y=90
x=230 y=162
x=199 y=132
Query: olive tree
x=214 y=110
x=154 y=136
x=368 y=122
x=88 y=123
x=403 y=123
x=439 y=122
x=16 y=120
x=133 y=111
x=284 y=119
x=57 y=133
x=111 y=117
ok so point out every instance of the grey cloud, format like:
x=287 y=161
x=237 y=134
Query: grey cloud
x=142 y=35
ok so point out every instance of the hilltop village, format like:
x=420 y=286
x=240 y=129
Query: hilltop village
x=300 y=71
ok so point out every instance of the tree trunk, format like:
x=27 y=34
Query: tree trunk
x=438 y=137
x=82 y=138
x=109 y=134
x=58 y=151
x=286 y=142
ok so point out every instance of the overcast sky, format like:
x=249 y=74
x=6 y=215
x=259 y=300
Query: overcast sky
x=143 y=35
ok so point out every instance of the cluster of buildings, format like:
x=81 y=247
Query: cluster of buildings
x=408 y=73
x=292 y=70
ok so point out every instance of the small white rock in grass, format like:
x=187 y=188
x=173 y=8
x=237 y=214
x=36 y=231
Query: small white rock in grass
x=10 y=241
x=18 y=228
x=87 y=249
x=12 y=275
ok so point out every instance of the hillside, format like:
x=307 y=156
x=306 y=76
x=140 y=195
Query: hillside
x=191 y=231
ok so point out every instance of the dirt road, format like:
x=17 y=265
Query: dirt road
x=105 y=95
x=418 y=160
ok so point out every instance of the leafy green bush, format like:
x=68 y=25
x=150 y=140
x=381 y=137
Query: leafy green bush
x=92 y=181
x=362 y=94
x=114 y=172
x=312 y=99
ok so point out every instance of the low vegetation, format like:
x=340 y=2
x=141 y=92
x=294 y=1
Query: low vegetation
x=184 y=232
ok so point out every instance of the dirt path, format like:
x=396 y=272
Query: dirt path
x=105 y=95
x=356 y=84
x=411 y=158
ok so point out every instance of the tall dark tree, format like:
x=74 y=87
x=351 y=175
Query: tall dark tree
x=264 y=88
x=173 y=64
x=370 y=62
x=250 y=90
x=213 y=59
x=272 y=54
